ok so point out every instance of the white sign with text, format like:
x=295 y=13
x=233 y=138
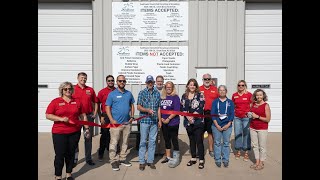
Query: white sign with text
x=149 y=21
x=137 y=62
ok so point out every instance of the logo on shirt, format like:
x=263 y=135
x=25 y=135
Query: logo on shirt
x=88 y=92
x=236 y=97
x=245 y=98
x=73 y=102
x=62 y=104
x=213 y=91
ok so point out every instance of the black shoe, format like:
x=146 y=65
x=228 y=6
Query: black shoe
x=70 y=178
x=115 y=166
x=218 y=164
x=190 y=163
x=91 y=163
x=125 y=163
x=142 y=166
x=225 y=164
x=165 y=160
x=152 y=166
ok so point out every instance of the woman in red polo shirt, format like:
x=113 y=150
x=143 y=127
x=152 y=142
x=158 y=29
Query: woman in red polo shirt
x=64 y=111
x=242 y=101
x=261 y=115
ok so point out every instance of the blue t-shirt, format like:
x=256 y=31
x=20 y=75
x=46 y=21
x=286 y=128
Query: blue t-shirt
x=171 y=103
x=227 y=104
x=120 y=104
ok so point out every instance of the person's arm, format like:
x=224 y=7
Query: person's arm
x=53 y=117
x=159 y=118
x=268 y=114
x=108 y=110
x=131 y=113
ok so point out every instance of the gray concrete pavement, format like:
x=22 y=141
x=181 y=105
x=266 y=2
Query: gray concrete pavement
x=238 y=169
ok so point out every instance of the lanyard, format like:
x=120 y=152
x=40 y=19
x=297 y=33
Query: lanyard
x=226 y=108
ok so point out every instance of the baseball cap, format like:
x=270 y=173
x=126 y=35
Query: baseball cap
x=149 y=78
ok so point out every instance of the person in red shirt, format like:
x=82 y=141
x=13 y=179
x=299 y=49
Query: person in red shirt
x=261 y=115
x=89 y=100
x=105 y=132
x=65 y=135
x=242 y=101
x=210 y=93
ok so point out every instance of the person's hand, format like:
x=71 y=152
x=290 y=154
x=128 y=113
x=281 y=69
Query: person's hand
x=225 y=127
x=254 y=115
x=93 y=116
x=112 y=121
x=87 y=133
x=166 y=121
x=150 y=111
x=160 y=123
x=131 y=119
x=102 y=121
x=65 y=119
x=219 y=128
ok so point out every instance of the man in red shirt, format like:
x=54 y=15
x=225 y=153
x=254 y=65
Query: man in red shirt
x=105 y=132
x=89 y=100
x=210 y=93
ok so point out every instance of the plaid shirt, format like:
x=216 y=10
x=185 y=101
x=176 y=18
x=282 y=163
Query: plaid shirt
x=149 y=100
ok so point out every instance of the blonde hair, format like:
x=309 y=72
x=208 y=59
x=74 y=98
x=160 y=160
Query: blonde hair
x=245 y=85
x=63 y=85
x=164 y=92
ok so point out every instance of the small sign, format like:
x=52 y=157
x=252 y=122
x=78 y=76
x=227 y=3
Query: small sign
x=42 y=85
x=260 y=86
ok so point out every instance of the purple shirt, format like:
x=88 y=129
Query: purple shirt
x=171 y=103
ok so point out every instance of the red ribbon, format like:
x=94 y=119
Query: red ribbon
x=77 y=122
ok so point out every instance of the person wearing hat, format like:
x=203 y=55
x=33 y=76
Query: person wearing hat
x=148 y=104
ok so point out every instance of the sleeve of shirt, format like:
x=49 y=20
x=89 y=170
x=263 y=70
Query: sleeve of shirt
x=99 y=96
x=51 y=109
x=132 y=99
x=139 y=101
x=109 y=99
x=231 y=111
x=182 y=108
x=214 y=110
x=233 y=97
x=201 y=104
x=94 y=97
x=176 y=103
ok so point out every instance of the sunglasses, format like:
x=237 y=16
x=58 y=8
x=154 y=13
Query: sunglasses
x=65 y=89
x=207 y=79
x=120 y=81
x=240 y=85
x=110 y=80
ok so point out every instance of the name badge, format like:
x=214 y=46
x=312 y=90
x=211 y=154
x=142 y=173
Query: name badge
x=73 y=102
x=119 y=96
x=236 y=97
x=213 y=91
x=62 y=104
x=245 y=98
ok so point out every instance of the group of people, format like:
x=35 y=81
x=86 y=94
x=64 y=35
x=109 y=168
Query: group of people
x=206 y=108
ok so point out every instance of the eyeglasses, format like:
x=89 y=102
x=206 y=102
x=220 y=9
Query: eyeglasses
x=110 y=80
x=206 y=79
x=120 y=81
x=240 y=85
x=65 y=89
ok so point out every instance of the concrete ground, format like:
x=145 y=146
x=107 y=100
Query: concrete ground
x=238 y=169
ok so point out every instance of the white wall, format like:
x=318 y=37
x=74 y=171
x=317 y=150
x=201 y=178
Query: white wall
x=64 y=50
x=263 y=54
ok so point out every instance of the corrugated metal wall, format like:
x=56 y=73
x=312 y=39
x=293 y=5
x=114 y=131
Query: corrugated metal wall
x=216 y=39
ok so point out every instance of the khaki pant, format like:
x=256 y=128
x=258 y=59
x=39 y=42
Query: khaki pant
x=114 y=140
x=259 y=143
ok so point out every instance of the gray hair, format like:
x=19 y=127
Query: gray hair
x=223 y=86
x=207 y=74
x=63 y=85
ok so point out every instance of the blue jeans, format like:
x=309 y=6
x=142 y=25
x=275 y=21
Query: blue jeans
x=152 y=131
x=242 y=134
x=221 y=148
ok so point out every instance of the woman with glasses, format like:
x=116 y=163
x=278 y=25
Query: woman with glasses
x=192 y=101
x=242 y=101
x=64 y=111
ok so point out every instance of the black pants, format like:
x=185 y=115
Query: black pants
x=208 y=122
x=105 y=137
x=64 y=148
x=195 y=133
x=170 y=134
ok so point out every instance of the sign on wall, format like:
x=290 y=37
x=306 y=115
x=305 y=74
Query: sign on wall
x=149 y=21
x=137 y=62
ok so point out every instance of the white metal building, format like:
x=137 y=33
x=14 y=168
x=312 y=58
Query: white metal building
x=234 y=39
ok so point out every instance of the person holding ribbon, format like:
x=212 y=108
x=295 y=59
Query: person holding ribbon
x=261 y=115
x=192 y=101
x=120 y=110
x=223 y=108
x=242 y=101
x=169 y=123
x=148 y=104
x=65 y=111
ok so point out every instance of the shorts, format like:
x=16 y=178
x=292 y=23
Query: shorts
x=207 y=122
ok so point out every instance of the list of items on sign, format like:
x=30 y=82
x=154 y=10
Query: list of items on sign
x=137 y=62
x=149 y=21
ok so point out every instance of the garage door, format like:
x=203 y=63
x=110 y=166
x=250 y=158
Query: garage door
x=263 y=54
x=64 y=50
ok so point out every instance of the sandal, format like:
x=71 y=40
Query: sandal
x=190 y=163
x=246 y=157
x=201 y=165
x=253 y=166
x=259 y=167
x=238 y=155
